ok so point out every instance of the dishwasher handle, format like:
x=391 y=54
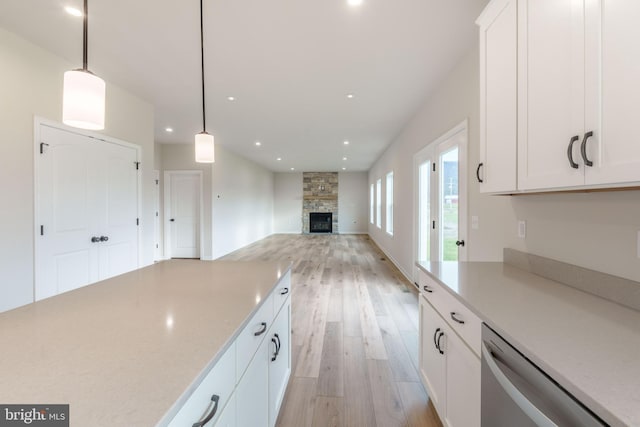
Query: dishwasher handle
x=535 y=414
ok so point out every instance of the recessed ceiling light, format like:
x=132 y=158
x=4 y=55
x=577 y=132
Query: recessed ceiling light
x=279 y=158
x=344 y=158
x=293 y=169
x=231 y=98
x=354 y=2
x=344 y=169
x=73 y=11
x=168 y=129
x=258 y=143
x=350 y=96
x=346 y=143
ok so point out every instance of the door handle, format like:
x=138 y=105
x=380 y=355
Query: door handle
x=215 y=399
x=438 y=343
x=455 y=319
x=570 y=152
x=284 y=291
x=427 y=289
x=435 y=342
x=261 y=331
x=583 y=148
x=95 y=239
x=459 y=242
x=172 y=220
x=104 y=238
x=480 y=180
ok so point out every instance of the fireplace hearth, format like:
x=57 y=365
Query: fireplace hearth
x=320 y=222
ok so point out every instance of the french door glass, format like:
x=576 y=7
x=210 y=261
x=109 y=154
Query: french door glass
x=448 y=202
x=424 y=200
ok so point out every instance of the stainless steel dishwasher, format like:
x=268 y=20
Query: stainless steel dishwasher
x=515 y=392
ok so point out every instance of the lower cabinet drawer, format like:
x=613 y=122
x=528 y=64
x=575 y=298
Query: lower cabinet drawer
x=212 y=395
x=252 y=335
x=281 y=293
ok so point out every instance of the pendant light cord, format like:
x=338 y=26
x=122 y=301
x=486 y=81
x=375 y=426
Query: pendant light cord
x=204 y=119
x=85 y=37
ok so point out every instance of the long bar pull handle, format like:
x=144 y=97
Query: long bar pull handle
x=261 y=331
x=583 y=148
x=215 y=399
x=570 y=152
x=520 y=399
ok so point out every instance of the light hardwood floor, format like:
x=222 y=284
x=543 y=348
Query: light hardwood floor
x=354 y=334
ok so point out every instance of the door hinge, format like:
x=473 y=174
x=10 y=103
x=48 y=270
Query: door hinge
x=137 y=165
x=433 y=225
x=42 y=230
x=42 y=144
x=434 y=167
x=137 y=221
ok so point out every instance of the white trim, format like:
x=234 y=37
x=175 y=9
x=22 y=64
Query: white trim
x=167 y=211
x=38 y=122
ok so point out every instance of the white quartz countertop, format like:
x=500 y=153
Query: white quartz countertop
x=587 y=344
x=123 y=351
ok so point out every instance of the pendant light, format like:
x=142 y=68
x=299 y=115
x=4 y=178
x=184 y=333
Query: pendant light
x=204 y=142
x=84 y=92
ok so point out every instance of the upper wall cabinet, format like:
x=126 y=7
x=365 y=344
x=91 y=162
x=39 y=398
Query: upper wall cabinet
x=498 y=97
x=576 y=94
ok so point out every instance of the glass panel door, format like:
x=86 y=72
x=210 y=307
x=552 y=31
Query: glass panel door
x=424 y=209
x=448 y=202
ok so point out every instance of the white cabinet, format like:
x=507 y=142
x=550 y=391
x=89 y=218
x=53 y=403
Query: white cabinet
x=577 y=95
x=498 y=97
x=279 y=360
x=228 y=415
x=449 y=369
x=252 y=393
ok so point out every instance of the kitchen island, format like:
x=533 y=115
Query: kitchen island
x=587 y=344
x=130 y=350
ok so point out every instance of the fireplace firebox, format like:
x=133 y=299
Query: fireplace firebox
x=320 y=222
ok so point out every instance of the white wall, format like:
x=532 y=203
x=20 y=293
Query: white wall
x=353 y=196
x=31 y=85
x=456 y=99
x=287 y=208
x=243 y=194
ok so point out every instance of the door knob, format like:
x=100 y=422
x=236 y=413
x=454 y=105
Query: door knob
x=95 y=239
x=459 y=242
x=103 y=238
x=172 y=220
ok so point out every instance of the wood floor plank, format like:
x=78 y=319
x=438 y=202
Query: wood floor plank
x=386 y=398
x=417 y=407
x=331 y=378
x=398 y=356
x=358 y=401
x=335 y=309
x=411 y=343
x=299 y=403
x=372 y=339
x=328 y=412
x=311 y=351
x=351 y=311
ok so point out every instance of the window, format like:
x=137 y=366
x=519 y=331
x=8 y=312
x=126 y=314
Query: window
x=379 y=203
x=389 y=201
x=371 y=205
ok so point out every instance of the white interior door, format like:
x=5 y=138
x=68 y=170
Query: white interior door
x=183 y=217
x=157 y=251
x=87 y=204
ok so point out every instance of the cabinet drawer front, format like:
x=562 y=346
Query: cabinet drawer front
x=252 y=335
x=453 y=312
x=281 y=293
x=220 y=381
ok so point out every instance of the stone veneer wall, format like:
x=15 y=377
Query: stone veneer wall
x=319 y=194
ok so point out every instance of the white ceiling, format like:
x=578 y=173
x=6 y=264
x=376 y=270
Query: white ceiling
x=288 y=63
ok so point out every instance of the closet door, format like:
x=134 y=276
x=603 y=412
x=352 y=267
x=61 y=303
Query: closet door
x=87 y=210
x=551 y=93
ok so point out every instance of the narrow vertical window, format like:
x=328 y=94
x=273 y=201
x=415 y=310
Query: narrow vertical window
x=389 y=202
x=371 y=201
x=379 y=203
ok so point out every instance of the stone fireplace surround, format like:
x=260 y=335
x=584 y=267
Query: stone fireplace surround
x=319 y=194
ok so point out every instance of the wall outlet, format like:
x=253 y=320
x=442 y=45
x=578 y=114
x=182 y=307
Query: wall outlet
x=474 y=222
x=522 y=229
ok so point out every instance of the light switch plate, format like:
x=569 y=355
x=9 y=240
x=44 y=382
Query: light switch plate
x=522 y=229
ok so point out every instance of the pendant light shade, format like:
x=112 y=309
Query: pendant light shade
x=205 y=152
x=84 y=92
x=83 y=100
